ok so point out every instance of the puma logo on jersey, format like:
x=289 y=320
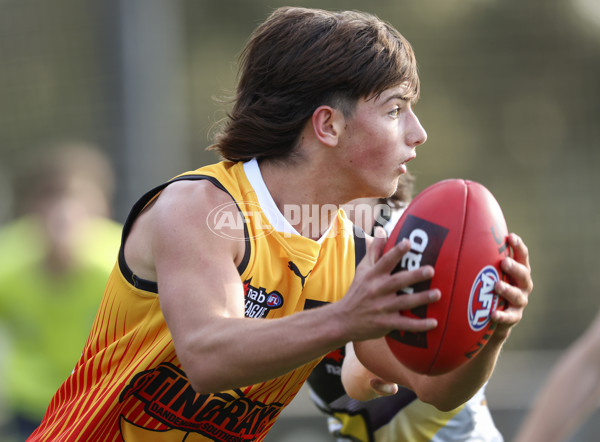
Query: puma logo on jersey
x=294 y=268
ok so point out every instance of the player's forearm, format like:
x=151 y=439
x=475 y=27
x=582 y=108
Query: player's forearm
x=445 y=392
x=236 y=352
x=452 y=389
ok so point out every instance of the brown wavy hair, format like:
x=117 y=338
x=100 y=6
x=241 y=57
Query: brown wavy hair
x=300 y=59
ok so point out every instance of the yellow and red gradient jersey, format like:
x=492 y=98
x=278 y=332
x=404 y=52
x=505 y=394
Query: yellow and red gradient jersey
x=128 y=384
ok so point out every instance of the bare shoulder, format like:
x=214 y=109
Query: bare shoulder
x=178 y=223
x=190 y=202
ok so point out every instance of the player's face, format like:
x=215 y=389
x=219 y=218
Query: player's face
x=379 y=139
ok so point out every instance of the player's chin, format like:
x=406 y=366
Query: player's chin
x=391 y=186
x=383 y=189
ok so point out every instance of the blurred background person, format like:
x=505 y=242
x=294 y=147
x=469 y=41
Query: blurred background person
x=400 y=417
x=569 y=394
x=55 y=257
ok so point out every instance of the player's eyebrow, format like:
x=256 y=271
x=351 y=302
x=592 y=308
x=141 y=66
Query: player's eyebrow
x=397 y=97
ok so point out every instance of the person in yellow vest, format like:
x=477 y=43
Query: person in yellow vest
x=400 y=417
x=55 y=257
x=233 y=280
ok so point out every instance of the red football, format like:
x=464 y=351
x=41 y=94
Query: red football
x=456 y=226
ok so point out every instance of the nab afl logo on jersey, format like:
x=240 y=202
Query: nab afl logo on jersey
x=258 y=302
x=483 y=300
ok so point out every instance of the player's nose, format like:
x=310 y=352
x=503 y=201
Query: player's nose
x=417 y=134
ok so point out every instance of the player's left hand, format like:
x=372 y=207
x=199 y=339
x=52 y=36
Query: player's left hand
x=516 y=290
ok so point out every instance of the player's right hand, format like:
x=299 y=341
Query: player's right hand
x=372 y=307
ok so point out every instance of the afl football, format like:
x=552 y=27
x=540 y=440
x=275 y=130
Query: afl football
x=458 y=227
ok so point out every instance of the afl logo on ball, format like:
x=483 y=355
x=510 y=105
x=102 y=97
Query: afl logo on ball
x=483 y=300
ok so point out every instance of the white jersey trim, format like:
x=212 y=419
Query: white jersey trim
x=270 y=209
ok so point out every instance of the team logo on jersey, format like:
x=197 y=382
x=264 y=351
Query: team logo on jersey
x=259 y=302
x=483 y=301
x=168 y=397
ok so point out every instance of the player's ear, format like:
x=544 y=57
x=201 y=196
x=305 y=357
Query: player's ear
x=327 y=124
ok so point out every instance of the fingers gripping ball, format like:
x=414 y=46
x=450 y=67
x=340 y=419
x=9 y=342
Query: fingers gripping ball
x=457 y=226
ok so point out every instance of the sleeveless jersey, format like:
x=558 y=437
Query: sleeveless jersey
x=129 y=385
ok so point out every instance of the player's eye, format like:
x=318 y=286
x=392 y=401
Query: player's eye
x=394 y=112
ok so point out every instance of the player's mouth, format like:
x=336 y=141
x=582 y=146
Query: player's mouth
x=403 y=165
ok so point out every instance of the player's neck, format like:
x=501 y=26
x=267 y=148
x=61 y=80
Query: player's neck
x=303 y=195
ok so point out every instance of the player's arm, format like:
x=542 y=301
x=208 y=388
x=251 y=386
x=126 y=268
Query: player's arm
x=445 y=392
x=570 y=393
x=449 y=390
x=202 y=297
x=359 y=382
